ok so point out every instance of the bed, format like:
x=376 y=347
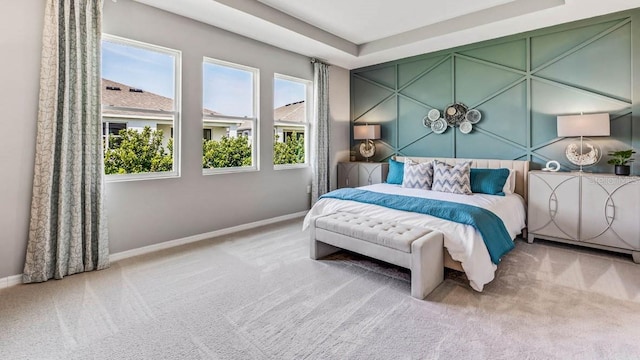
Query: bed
x=465 y=248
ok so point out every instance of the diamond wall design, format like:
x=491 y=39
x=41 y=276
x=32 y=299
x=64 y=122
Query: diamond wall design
x=476 y=81
x=520 y=84
x=512 y=54
x=546 y=47
x=432 y=88
x=506 y=115
x=410 y=70
x=410 y=131
x=609 y=66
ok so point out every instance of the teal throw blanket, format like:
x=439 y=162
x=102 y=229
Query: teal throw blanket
x=489 y=225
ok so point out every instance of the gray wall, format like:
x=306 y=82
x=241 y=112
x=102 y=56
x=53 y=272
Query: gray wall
x=520 y=84
x=148 y=212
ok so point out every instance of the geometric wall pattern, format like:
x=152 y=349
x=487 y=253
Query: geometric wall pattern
x=520 y=84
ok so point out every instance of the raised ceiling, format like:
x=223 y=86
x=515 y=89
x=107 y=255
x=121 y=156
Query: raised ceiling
x=362 y=21
x=357 y=33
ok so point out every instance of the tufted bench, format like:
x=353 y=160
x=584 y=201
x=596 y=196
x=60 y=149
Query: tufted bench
x=417 y=249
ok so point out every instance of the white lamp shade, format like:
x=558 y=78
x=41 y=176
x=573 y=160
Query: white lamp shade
x=366 y=132
x=584 y=125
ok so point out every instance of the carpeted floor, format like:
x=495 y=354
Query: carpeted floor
x=257 y=295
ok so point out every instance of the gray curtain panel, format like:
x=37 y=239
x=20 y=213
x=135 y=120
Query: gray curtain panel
x=320 y=152
x=68 y=232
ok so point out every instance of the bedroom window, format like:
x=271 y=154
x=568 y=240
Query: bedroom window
x=229 y=116
x=291 y=120
x=140 y=109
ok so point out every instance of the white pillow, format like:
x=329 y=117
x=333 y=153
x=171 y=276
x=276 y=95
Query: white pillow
x=510 y=184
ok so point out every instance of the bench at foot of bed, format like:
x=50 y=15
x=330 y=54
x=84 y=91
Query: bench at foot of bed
x=417 y=249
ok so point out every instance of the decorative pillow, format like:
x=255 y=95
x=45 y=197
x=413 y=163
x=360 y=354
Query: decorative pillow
x=489 y=181
x=452 y=179
x=396 y=170
x=510 y=184
x=417 y=175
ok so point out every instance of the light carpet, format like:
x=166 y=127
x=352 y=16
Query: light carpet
x=257 y=295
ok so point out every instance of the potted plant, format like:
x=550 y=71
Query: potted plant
x=621 y=159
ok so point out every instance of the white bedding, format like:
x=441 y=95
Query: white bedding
x=463 y=242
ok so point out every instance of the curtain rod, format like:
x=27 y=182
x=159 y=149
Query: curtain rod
x=315 y=60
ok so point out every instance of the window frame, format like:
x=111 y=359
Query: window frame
x=307 y=125
x=255 y=137
x=176 y=113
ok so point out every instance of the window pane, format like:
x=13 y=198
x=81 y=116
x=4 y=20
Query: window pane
x=206 y=134
x=114 y=128
x=228 y=115
x=287 y=92
x=290 y=120
x=136 y=76
x=228 y=91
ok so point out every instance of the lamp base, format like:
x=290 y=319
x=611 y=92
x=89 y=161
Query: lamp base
x=583 y=154
x=367 y=149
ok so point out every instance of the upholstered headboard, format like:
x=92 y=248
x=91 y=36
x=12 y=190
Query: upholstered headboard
x=521 y=167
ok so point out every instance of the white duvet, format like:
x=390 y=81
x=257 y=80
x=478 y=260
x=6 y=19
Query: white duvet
x=463 y=242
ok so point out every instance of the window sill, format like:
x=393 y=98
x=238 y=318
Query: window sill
x=230 y=170
x=141 y=176
x=291 y=166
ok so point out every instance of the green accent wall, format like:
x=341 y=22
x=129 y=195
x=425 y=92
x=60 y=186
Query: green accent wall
x=519 y=83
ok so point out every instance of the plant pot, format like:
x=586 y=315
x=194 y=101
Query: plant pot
x=623 y=170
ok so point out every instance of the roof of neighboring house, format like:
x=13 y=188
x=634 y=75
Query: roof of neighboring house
x=294 y=112
x=291 y=113
x=121 y=95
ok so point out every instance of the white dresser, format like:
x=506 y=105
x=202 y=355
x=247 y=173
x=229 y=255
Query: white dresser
x=354 y=174
x=596 y=210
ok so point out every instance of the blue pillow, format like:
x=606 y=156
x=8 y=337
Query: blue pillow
x=488 y=181
x=396 y=172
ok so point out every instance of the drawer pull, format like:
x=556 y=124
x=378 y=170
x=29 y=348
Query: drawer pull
x=611 y=206
x=553 y=209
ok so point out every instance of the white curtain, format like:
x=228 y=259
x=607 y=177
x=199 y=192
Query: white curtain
x=320 y=151
x=67 y=233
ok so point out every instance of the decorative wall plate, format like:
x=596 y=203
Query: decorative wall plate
x=426 y=121
x=465 y=127
x=454 y=114
x=473 y=116
x=439 y=126
x=434 y=114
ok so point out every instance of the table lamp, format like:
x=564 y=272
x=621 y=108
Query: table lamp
x=367 y=133
x=583 y=125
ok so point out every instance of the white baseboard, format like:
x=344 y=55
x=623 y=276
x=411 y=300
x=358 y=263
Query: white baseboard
x=200 y=237
x=17 y=279
x=12 y=280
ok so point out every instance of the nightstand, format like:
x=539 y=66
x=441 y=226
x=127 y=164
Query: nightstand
x=354 y=174
x=587 y=209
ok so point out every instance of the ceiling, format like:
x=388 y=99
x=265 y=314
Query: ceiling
x=357 y=33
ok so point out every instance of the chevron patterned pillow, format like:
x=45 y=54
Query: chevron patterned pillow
x=452 y=179
x=417 y=175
